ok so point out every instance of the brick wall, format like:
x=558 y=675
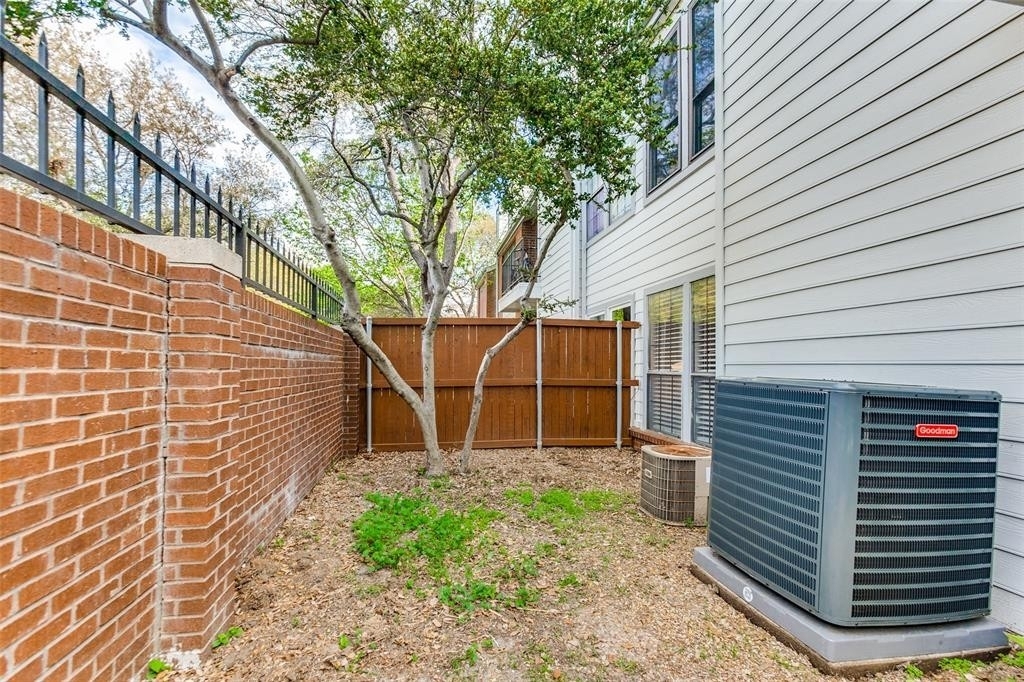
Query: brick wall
x=157 y=422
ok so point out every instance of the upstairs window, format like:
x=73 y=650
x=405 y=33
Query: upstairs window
x=663 y=161
x=702 y=74
x=597 y=213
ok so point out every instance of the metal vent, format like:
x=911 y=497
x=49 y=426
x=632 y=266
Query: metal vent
x=769 y=450
x=906 y=543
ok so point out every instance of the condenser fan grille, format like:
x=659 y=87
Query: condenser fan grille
x=924 y=507
x=769 y=445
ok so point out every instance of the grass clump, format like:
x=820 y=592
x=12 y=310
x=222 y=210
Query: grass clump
x=1014 y=659
x=961 y=666
x=400 y=528
x=469 y=595
x=561 y=508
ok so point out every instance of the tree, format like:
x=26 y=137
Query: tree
x=428 y=105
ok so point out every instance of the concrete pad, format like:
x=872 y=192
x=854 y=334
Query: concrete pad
x=837 y=650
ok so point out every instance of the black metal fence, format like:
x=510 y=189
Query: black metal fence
x=159 y=197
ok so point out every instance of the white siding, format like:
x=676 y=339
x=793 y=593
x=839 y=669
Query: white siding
x=558 y=269
x=873 y=164
x=670 y=234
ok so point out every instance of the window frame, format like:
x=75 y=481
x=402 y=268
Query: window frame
x=654 y=182
x=708 y=91
x=687 y=370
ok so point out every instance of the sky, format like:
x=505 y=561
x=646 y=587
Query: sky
x=119 y=50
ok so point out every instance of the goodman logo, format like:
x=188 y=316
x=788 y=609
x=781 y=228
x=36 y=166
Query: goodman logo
x=936 y=430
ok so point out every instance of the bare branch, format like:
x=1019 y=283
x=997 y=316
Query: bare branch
x=211 y=39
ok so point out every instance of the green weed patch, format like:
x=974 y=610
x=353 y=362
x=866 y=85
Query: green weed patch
x=561 y=508
x=399 y=528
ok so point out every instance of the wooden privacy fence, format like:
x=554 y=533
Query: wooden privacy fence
x=573 y=380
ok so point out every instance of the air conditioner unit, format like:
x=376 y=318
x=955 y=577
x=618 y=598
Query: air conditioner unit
x=865 y=504
x=674 y=483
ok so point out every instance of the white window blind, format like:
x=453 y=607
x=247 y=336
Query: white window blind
x=702 y=375
x=664 y=361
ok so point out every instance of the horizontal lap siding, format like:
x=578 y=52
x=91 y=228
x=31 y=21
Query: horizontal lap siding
x=557 y=272
x=671 y=233
x=874 y=209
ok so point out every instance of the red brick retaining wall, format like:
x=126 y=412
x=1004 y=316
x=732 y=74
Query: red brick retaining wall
x=157 y=422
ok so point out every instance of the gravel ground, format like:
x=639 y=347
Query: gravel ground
x=613 y=598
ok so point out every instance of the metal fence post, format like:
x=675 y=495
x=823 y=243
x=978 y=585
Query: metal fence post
x=540 y=383
x=618 y=384
x=369 y=390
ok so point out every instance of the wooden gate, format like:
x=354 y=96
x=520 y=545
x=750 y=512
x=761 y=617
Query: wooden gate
x=579 y=390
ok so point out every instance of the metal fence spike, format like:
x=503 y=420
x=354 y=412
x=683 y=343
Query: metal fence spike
x=80 y=80
x=43 y=50
x=137 y=127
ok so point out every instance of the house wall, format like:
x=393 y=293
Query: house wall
x=872 y=165
x=157 y=422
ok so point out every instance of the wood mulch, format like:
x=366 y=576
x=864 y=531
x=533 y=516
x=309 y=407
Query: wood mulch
x=616 y=598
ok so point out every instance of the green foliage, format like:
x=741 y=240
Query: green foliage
x=913 y=672
x=560 y=508
x=526 y=91
x=961 y=666
x=226 y=636
x=570 y=580
x=469 y=595
x=521 y=495
x=399 y=528
x=521 y=569
x=524 y=597
x=1015 y=658
x=155 y=667
x=627 y=666
x=603 y=500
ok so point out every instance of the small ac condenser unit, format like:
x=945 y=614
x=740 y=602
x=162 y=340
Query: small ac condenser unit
x=674 y=483
x=865 y=504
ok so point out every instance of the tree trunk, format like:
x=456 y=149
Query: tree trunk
x=478 y=393
x=485 y=362
x=428 y=421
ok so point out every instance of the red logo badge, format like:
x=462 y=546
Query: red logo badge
x=936 y=430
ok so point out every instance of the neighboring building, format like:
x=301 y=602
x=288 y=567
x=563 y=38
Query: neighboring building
x=846 y=202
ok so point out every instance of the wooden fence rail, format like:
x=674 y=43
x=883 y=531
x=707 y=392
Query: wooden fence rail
x=575 y=383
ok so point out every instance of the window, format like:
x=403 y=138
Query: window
x=597 y=213
x=601 y=212
x=622 y=314
x=669 y=373
x=665 y=361
x=702 y=74
x=702 y=368
x=663 y=161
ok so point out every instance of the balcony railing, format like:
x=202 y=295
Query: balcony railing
x=516 y=267
x=159 y=197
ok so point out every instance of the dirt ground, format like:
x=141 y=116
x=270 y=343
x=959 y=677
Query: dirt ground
x=611 y=596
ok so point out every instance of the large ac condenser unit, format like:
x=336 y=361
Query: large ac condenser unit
x=866 y=504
